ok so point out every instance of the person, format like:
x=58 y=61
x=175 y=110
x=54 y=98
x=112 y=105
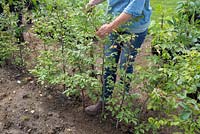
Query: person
x=133 y=16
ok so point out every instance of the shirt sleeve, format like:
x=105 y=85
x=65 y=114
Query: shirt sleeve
x=135 y=8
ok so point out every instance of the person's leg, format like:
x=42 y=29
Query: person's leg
x=128 y=54
x=112 y=54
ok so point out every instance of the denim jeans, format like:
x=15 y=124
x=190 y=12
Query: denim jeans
x=121 y=53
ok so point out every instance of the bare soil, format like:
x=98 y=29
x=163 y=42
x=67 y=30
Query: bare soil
x=26 y=108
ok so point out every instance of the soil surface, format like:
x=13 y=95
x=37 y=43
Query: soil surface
x=26 y=108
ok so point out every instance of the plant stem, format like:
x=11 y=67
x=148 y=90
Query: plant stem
x=82 y=90
x=62 y=50
x=124 y=82
x=21 y=55
x=83 y=99
x=102 y=77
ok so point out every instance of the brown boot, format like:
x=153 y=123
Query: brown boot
x=94 y=109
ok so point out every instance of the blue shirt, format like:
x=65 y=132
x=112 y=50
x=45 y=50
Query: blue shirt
x=139 y=9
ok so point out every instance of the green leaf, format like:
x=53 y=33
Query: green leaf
x=185 y=115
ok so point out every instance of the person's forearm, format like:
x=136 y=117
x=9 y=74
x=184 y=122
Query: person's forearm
x=121 y=19
x=95 y=2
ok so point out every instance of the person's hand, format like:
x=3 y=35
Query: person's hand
x=104 y=30
x=89 y=7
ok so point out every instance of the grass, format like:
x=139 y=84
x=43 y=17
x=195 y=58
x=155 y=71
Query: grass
x=159 y=6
